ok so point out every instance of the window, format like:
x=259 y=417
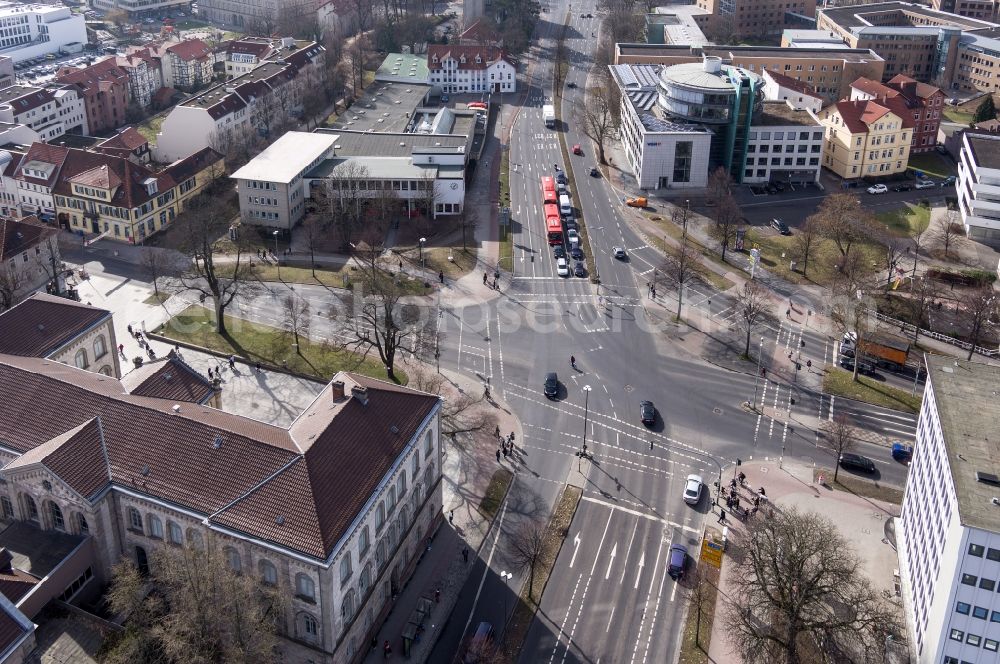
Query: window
x=991 y=645
x=365 y=580
x=969 y=579
x=310 y=628
x=304 y=587
x=980 y=612
x=134 y=520
x=268 y=573
x=956 y=635
x=683 y=151
x=995 y=617
x=8 y=507
x=100 y=347
x=972 y=639
x=174 y=533
x=401 y=485
x=81 y=359
x=195 y=539
x=428 y=445
x=363 y=542
x=55 y=512
x=391 y=500
x=155 y=526
x=987 y=584
x=993 y=554
x=81 y=525
x=379 y=516
x=345 y=568
x=233 y=559
x=963 y=608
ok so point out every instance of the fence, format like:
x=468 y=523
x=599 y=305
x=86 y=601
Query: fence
x=910 y=329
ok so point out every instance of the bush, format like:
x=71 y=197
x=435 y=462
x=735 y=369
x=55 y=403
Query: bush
x=972 y=277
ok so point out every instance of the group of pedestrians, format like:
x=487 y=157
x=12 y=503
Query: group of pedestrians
x=733 y=499
x=486 y=279
x=141 y=340
x=507 y=448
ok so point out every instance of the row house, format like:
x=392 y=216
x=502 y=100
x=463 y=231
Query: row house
x=127 y=143
x=187 y=64
x=36 y=175
x=243 y=55
x=298 y=508
x=51 y=112
x=867 y=138
x=243 y=107
x=105 y=89
x=10 y=199
x=28 y=250
x=144 y=75
x=924 y=103
x=463 y=69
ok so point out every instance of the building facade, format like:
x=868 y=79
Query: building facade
x=186 y=65
x=923 y=102
x=978 y=186
x=458 y=69
x=145 y=77
x=51 y=112
x=784 y=144
x=949 y=531
x=33 y=30
x=867 y=138
x=141 y=8
x=28 y=251
x=104 y=87
x=778 y=87
x=746 y=18
x=256 y=16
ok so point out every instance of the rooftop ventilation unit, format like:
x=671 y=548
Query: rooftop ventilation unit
x=987 y=478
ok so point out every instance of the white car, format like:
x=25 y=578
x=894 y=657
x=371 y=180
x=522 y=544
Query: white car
x=692 y=489
x=878 y=189
x=925 y=184
x=573 y=236
x=562 y=267
x=619 y=252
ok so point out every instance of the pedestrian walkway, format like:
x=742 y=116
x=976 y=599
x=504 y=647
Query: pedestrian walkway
x=861 y=521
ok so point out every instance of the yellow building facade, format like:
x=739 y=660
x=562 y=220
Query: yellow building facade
x=866 y=138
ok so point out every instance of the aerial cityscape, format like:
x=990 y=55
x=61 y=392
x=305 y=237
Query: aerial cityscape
x=499 y=331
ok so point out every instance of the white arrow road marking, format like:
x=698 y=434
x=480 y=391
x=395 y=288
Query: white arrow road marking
x=614 y=552
x=638 y=575
x=629 y=549
x=576 y=549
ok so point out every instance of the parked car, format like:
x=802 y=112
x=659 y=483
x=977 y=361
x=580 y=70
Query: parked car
x=619 y=253
x=948 y=180
x=926 y=183
x=647 y=413
x=579 y=270
x=903 y=186
x=901 y=452
x=571 y=223
x=879 y=189
x=639 y=202
x=857 y=462
x=594 y=172
x=677 y=561
x=551 y=387
x=780 y=226
x=562 y=268
x=479 y=644
x=571 y=85
x=692 y=489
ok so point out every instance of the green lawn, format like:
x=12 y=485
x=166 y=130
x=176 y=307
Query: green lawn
x=668 y=227
x=823 y=258
x=956 y=115
x=932 y=164
x=496 y=492
x=907 y=221
x=150 y=127
x=839 y=382
x=190 y=24
x=268 y=345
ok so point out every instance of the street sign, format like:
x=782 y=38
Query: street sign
x=505 y=216
x=754 y=255
x=740 y=235
x=711 y=552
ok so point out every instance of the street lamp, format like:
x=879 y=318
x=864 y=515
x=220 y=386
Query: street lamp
x=276 y=260
x=506 y=576
x=756 y=380
x=422 y=240
x=687 y=213
x=586 y=412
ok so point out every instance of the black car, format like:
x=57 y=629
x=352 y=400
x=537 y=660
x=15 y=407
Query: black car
x=780 y=226
x=551 y=385
x=561 y=177
x=559 y=251
x=576 y=253
x=579 y=270
x=571 y=223
x=594 y=172
x=571 y=85
x=904 y=186
x=857 y=462
x=647 y=413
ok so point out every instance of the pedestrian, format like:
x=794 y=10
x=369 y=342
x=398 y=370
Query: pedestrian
x=736 y=501
x=210 y=373
x=809 y=365
x=498 y=455
x=374 y=643
x=386 y=650
x=465 y=554
x=232 y=362
x=121 y=349
x=756 y=501
x=485 y=278
x=129 y=328
x=732 y=484
x=762 y=492
x=495 y=287
x=722 y=516
x=486 y=392
x=788 y=313
x=451 y=517
x=742 y=478
x=753 y=510
x=437 y=595
x=504 y=449
x=441 y=277
x=498 y=431
x=401 y=265
x=763 y=372
x=510 y=438
x=654 y=292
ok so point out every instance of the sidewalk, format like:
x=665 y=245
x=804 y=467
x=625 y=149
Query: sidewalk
x=864 y=523
x=468 y=468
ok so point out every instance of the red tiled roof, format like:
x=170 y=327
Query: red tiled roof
x=47 y=154
x=91 y=78
x=858 y=115
x=487 y=55
x=190 y=49
x=99 y=176
x=14 y=585
x=41 y=324
x=128 y=138
x=20 y=235
x=31 y=99
x=244 y=474
x=923 y=90
x=78 y=457
x=258 y=48
x=480 y=32
x=791 y=83
x=169 y=378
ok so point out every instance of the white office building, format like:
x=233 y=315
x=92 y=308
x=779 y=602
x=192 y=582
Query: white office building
x=784 y=144
x=978 y=186
x=30 y=30
x=51 y=112
x=949 y=532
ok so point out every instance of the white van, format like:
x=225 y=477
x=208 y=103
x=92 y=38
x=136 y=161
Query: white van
x=565 y=207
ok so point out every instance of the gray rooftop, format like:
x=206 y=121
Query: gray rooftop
x=779 y=113
x=37 y=551
x=968 y=406
x=860 y=16
x=359 y=144
x=398 y=66
x=384 y=107
x=389 y=168
x=985 y=148
x=727 y=53
x=218 y=93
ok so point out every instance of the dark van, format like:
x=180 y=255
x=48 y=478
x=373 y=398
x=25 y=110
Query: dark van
x=677 y=561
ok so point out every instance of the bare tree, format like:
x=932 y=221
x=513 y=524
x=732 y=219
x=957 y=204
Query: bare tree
x=461 y=412
x=841 y=435
x=800 y=594
x=526 y=548
x=979 y=308
x=12 y=280
x=893 y=250
x=297 y=318
x=720 y=185
x=468 y=222
x=204 y=222
x=682 y=217
x=728 y=218
x=154 y=264
x=853 y=303
x=842 y=219
x=596 y=117
x=314 y=229
x=265 y=114
x=680 y=269
x=804 y=241
x=923 y=293
x=345 y=198
x=701 y=598
x=948 y=233
x=753 y=309
x=294 y=20
x=50 y=261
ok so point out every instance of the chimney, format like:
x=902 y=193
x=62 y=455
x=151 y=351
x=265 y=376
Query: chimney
x=337 y=390
x=5 y=560
x=361 y=394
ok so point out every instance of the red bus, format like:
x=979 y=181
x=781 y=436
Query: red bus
x=553 y=224
x=549 y=190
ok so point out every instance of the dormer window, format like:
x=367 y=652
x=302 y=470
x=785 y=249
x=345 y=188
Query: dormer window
x=462 y=60
x=479 y=60
x=434 y=59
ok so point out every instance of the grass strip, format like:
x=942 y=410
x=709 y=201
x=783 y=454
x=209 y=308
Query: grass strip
x=840 y=383
x=859 y=487
x=270 y=346
x=697 y=634
x=495 y=492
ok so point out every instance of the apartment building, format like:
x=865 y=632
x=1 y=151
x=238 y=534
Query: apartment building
x=251 y=103
x=924 y=102
x=28 y=250
x=456 y=69
x=187 y=64
x=867 y=138
x=241 y=56
x=10 y=198
x=978 y=186
x=51 y=111
x=145 y=75
x=982 y=9
x=948 y=534
x=140 y=8
x=339 y=533
x=746 y=18
x=128 y=144
x=34 y=30
x=800 y=95
x=258 y=16
x=913 y=39
x=105 y=90
x=828 y=71
x=58 y=329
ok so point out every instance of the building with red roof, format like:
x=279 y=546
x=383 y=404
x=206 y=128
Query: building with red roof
x=867 y=137
x=923 y=101
x=105 y=89
x=458 y=69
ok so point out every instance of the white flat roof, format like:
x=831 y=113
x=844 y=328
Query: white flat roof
x=287 y=157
